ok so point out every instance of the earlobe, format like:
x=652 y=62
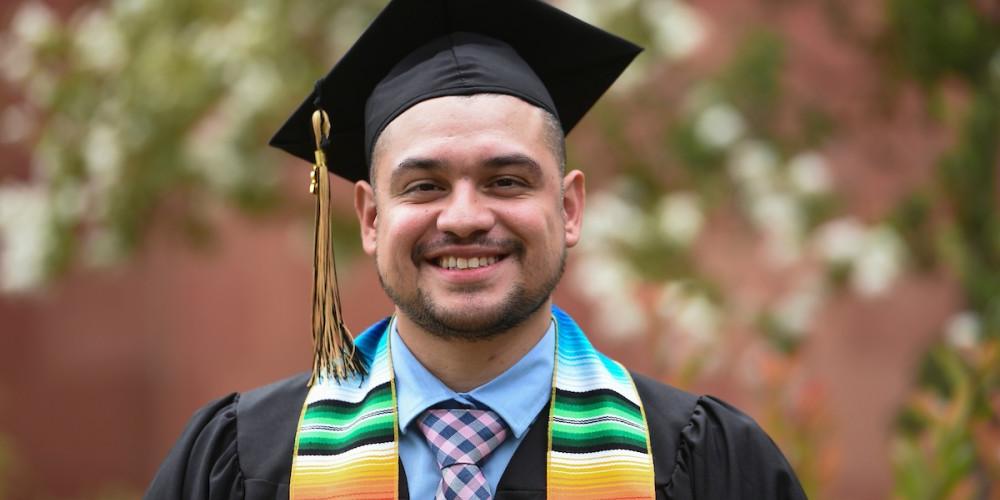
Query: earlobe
x=574 y=197
x=365 y=208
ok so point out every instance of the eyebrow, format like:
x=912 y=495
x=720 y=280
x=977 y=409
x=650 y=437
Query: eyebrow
x=411 y=164
x=495 y=162
x=514 y=159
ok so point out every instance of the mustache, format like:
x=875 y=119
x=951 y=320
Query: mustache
x=498 y=245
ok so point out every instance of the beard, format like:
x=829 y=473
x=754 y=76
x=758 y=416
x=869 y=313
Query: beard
x=476 y=322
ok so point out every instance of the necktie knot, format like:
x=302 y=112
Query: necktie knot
x=461 y=439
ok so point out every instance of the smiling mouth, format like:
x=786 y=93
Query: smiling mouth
x=451 y=262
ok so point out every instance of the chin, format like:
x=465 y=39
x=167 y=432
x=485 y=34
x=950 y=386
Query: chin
x=479 y=321
x=470 y=320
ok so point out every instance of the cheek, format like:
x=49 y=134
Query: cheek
x=399 y=231
x=538 y=228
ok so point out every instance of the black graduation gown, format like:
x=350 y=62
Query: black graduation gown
x=240 y=447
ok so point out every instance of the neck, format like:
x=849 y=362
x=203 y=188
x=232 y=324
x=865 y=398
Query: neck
x=463 y=365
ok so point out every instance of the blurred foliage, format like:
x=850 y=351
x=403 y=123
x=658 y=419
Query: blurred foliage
x=752 y=80
x=931 y=40
x=948 y=436
x=143 y=108
x=949 y=433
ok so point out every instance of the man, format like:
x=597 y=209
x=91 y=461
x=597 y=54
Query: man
x=477 y=386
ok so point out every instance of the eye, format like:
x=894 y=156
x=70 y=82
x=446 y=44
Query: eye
x=422 y=187
x=508 y=182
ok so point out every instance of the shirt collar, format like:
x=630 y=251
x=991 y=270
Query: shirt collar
x=516 y=394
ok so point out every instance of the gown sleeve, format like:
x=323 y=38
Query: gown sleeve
x=723 y=454
x=204 y=463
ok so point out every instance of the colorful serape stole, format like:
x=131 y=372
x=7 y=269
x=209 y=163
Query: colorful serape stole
x=346 y=443
x=598 y=439
x=347 y=440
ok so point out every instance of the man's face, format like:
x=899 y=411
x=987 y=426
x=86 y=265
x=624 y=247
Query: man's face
x=468 y=221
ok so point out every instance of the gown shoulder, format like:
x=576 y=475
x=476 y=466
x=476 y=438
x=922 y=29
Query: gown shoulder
x=238 y=446
x=704 y=448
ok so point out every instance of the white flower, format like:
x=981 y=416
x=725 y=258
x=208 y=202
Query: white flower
x=879 y=262
x=782 y=221
x=840 y=241
x=875 y=255
x=214 y=157
x=808 y=174
x=256 y=86
x=963 y=330
x=719 y=125
x=610 y=217
x=609 y=284
x=69 y=202
x=210 y=46
x=25 y=237
x=102 y=154
x=244 y=35
x=98 y=41
x=34 y=23
x=621 y=317
x=680 y=218
x=795 y=311
x=602 y=276
x=679 y=27
x=777 y=212
x=692 y=313
x=753 y=166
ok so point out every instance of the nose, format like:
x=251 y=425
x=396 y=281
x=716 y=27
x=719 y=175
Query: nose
x=466 y=212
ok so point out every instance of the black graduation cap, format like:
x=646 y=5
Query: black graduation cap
x=419 y=49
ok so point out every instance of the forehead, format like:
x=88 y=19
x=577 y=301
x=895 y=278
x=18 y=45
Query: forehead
x=463 y=129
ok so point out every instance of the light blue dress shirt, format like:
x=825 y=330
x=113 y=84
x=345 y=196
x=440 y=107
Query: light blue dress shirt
x=517 y=395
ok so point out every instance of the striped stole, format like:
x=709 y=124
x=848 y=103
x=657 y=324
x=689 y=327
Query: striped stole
x=346 y=443
x=347 y=440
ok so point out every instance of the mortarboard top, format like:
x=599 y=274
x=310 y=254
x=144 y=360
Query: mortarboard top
x=573 y=62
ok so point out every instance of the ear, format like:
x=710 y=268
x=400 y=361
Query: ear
x=574 y=195
x=364 y=206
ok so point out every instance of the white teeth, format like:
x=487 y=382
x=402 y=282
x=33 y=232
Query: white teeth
x=465 y=263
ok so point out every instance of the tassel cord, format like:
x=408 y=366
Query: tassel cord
x=335 y=354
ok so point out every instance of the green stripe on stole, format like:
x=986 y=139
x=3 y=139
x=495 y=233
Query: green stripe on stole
x=347 y=440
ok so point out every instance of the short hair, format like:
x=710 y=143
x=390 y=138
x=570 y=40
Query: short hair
x=555 y=139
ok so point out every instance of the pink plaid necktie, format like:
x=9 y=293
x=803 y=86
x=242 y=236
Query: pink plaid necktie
x=460 y=440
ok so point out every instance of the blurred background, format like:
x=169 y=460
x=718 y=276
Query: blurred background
x=792 y=206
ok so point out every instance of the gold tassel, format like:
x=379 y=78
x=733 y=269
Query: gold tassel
x=334 y=352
